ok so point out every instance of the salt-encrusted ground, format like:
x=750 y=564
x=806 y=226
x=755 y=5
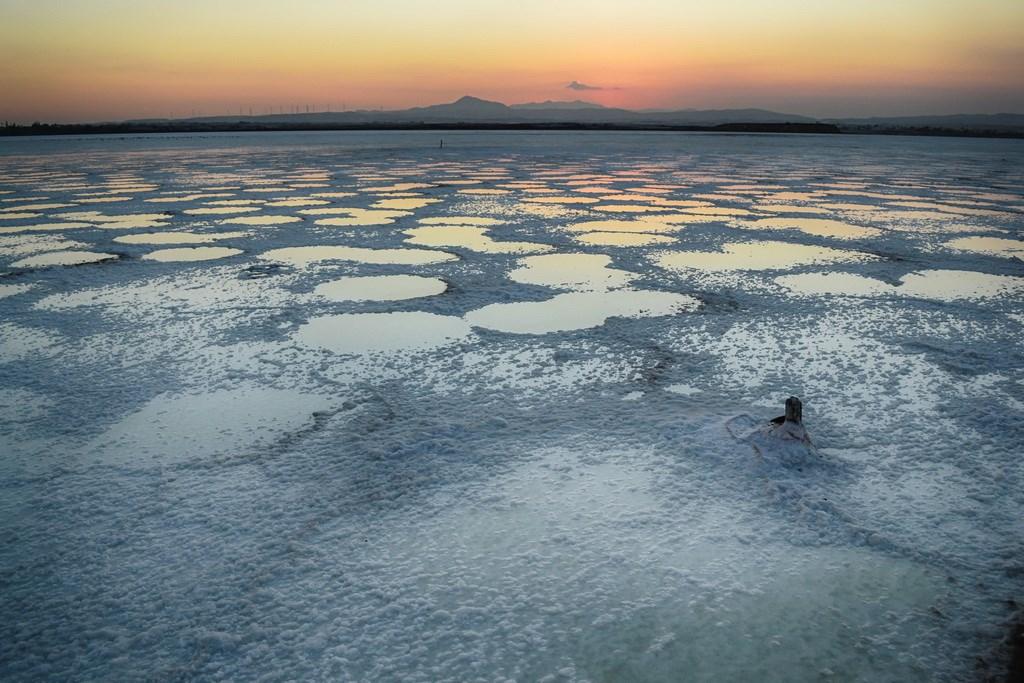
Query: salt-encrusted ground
x=352 y=407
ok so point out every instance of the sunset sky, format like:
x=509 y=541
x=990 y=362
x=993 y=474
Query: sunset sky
x=84 y=60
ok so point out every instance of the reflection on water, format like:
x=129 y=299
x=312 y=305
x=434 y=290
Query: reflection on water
x=578 y=310
x=174 y=199
x=790 y=208
x=924 y=221
x=469 y=237
x=103 y=200
x=63 y=258
x=791 y=196
x=748 y=187
x=298 y=201
x=406 y=204
x=631 y=197
x=357 y=220
x=131 y=224
x=686 y=218
x=119 y=188
x=873 y=195
x=183 y=254
x=952 y=285
x=22 y=245
x=176 y=237
x=302 y=256
x=764 y=255
x=215 y=210
x=594 y=189
x=12 y=290
x=559 y=199
x=849 y=206
x=333 y=195
x=176 y=427
x=622 y=239
x=995 y=196
x=840 y=284
x=42 y=227
x=655 y=189
x=550 y=210
x=942 y=285
x=992 y=246
x=381 y=288
x=125 y=221
x=397 y=187
x=524 y=184
x=349 y=216
x=261 y=220
x=947 y=208
x=718 y=211
x=820 y=227
x=460 y=220
x=628 y=208
x=331 y=211
x=690 y=203
x=34 y=207
x=587 y=272
x=635 y=226
x=357 y=333
x=235 y=202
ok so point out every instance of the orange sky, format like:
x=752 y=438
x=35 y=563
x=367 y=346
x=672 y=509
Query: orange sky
x=115 y=59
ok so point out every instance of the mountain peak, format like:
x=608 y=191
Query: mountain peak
x=469 y=99
x=465 y=108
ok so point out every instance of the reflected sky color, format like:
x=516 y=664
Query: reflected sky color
x=109 y=59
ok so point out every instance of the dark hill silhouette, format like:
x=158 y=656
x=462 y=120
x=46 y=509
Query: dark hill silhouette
x=476 y=113
x=994 y=122
x=469 y=109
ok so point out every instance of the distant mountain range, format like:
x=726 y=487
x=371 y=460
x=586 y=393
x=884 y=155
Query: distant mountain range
x=473 y=112
x=470 y=110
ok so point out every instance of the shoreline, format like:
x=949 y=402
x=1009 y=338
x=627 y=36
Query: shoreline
x=243 y=126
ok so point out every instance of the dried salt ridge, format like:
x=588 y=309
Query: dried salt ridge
x=306 y=462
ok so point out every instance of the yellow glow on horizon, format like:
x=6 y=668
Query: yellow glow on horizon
x=117 y=59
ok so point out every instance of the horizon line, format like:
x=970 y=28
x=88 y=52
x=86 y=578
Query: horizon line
x=252 y=111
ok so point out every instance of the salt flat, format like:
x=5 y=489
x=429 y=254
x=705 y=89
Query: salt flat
x=384 y=412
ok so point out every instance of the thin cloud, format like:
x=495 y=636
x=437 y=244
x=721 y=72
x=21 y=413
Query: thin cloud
x=576 y=85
